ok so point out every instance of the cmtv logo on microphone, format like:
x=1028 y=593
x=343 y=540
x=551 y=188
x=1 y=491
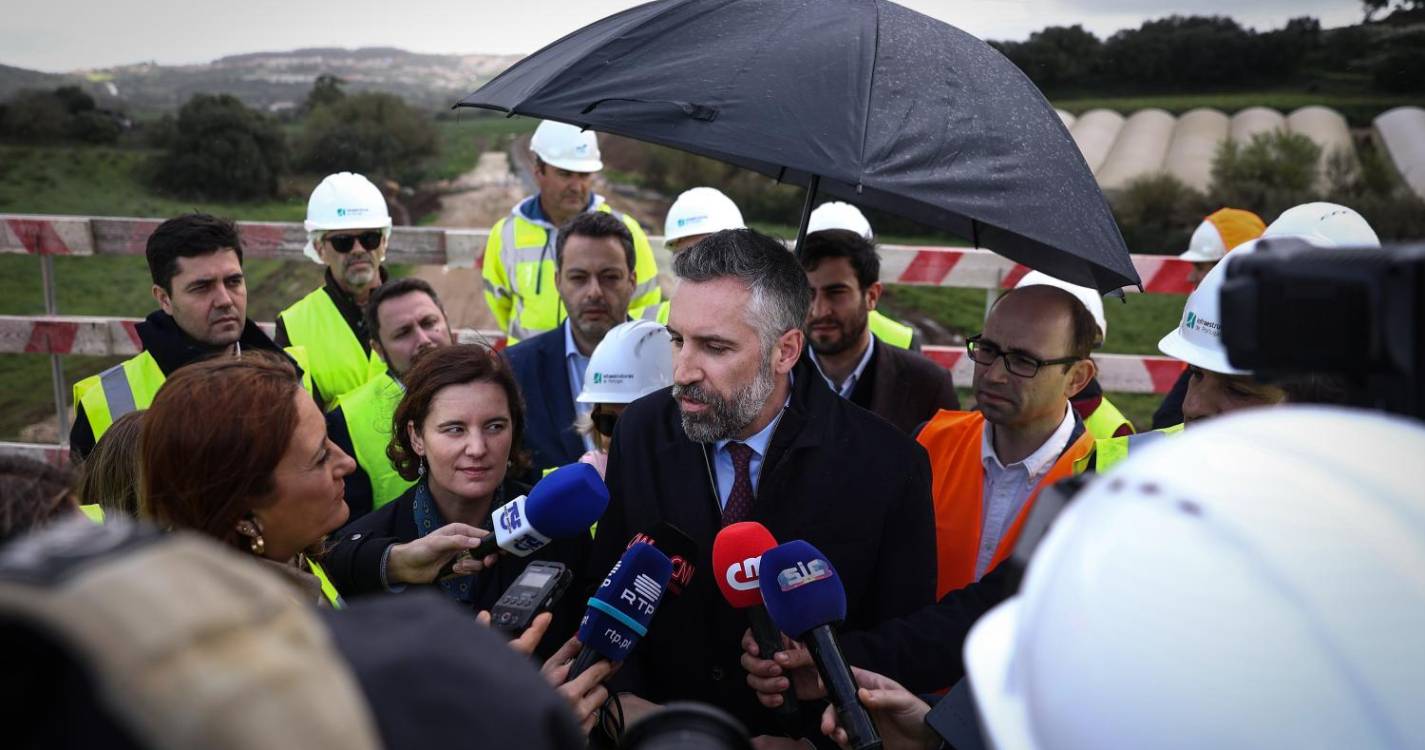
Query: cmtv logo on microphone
x=743 y=576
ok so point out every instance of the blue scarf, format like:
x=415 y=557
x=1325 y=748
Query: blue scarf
x=427 y=520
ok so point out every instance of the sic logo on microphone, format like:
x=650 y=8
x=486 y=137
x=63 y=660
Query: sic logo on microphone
x=802 y=574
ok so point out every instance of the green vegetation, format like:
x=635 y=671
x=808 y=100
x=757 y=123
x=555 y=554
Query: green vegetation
x=464 y=136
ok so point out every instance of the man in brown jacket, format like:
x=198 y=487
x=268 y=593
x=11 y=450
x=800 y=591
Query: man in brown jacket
x=899 y=386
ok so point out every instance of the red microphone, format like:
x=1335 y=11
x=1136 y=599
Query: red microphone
x=737 y=557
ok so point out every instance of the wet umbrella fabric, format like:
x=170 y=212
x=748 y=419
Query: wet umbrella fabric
x=889 y=108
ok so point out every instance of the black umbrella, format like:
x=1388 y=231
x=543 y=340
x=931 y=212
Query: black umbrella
x=863 y=100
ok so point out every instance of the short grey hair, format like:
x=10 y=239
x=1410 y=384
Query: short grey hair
x=781 y=295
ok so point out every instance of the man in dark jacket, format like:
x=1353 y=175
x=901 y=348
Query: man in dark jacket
x=195 y=262
x=594 y=262
x=746 y=433
x=897 y=385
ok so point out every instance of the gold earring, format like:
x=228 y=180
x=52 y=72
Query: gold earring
x=249 y=528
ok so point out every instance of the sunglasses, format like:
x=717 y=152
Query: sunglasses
x=343 y=243
x=604 y=422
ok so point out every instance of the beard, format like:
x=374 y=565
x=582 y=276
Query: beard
x=848 y=334
x=725 y=418
x=359 y=278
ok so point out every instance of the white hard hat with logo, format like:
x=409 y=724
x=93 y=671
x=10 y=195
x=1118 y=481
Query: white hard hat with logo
x=1196 y=598
x=1090 y=298
x=838 y=215
x=566 y=147
x=701 y=210
x=634 y=360
x=344 y=200
x=1198 y=338
x=1324 y=225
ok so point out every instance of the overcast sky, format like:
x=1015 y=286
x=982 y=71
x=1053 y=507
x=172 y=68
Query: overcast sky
x=63 y=35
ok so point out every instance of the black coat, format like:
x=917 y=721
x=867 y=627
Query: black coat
x=904 y=388
x=543 y=376
x=353 y=561
x=835 y=475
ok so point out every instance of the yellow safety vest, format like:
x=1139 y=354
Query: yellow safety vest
x=93 y=512
x=328 y=590
x=890 y=331
x=1105 y=420
x=367 y=411
x=340 y=362
x=132 y=384
x=518 y=274
x=1109 y=452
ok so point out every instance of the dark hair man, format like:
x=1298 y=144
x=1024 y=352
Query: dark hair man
x=900 y=386
x=195 y=262
x=404 y=318
x=749 y=431
x=594 y=261
x=519 y=265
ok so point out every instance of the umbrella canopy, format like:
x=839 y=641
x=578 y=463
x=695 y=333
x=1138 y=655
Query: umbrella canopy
x=887 y=107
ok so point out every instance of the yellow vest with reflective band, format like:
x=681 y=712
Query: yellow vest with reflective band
x=518 y=274
x=328 y=590
x=339 y=362
x=1109 y=452
x=892 y=332
x=132 y=384
x=94 y=513
x=367 y=411
x=1106 y=420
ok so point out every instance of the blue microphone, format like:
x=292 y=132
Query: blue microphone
x=622 y=607
x=806 y=600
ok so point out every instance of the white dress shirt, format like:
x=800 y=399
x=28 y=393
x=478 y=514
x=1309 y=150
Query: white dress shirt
x=846 y=388
x=722 y=458
x=1007 y=487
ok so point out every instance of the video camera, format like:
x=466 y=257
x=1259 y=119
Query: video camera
x=1354 y=315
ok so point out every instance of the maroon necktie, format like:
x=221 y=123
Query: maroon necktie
x=739 y=500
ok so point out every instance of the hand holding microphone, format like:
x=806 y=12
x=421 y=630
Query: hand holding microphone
x=562 y=505
x=622 y=607
x=805 y=599
x=737 y=556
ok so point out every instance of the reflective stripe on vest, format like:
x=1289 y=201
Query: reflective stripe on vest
x=953 y=440
x=1104 y=422
x=328 y=590
x=125 y=387
x=92 y=512
x=890 y=331
x=529 y=271
x=339 y=362
x=367 y=412
x=1112 y=451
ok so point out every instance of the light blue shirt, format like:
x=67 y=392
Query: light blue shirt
x=722 y=458
x=845 y=389
x=578 y=365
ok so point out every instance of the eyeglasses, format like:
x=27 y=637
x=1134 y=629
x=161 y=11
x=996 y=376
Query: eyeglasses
x=343 y=243
x=604 y=422
x=1018 y=363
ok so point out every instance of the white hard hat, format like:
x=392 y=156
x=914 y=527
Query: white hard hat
x=566 y=147
x=1324 y=225
x=701 y=210
x=838 y=215
x=634 y=360
x=344 y=200
x=1253 y=583
x=1221 y=231
x=1198 y=338
x=1090 y=298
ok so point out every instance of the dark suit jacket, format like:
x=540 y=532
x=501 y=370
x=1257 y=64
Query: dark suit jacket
x=904 y=388
x=835 y=475
x=543 y=376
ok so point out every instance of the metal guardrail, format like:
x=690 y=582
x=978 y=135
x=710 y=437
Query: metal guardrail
x=48 y=236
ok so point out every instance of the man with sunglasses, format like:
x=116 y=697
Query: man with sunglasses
x=405 y=318
x=989 y=465
x=347 y=231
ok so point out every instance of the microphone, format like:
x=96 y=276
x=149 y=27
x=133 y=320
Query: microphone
x=562 y=505
x=805 y=598
x=737 y=557
x=621 y=608
x=680 y=549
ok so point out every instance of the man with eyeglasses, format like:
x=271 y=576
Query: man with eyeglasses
x=989 y=465
x=347 y=231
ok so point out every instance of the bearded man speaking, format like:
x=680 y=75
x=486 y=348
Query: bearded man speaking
x=751 y=432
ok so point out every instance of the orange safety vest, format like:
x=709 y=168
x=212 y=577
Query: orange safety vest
x=953 y=439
